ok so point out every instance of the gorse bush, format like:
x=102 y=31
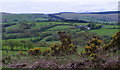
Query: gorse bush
x=66 y=46
x=20 y=53
x=34 y=51
x=96 y=41
x=46 y=52
x=114 y=44
x=94 y=51
x=94 y=47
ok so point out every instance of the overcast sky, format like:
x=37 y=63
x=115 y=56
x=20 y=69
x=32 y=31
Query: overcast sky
x=55 y=6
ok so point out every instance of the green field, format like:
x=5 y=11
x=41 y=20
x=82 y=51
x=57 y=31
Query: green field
x=102 y=31
x=60 y=28
x=109 y=32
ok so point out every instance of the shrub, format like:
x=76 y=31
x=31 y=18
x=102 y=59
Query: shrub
x=20 y=52
x=46 y=52
x=94 y=46
x=114 y=44
x=67 y=47
x=34 y=51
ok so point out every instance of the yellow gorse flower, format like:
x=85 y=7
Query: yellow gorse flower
x=36 y=48
x=71 y=45
x=31 y=50
x=93 y=55
x=65 y=39
x=99 y=41
x=88 y=47
x=92 y=45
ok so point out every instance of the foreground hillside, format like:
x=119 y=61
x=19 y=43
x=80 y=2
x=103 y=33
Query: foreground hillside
x=95 y=55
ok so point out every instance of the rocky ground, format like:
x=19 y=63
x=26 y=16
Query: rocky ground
x=109 y=63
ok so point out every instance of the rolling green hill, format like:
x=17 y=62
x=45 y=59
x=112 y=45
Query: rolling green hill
x=24 y=17
x=44 y=27
x=96 y=17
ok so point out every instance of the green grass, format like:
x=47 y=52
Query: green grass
x=10 y=53
x=19 y=39
x=52 y=42
x=44 y=48
x=11 y=27
x=109 y=32
x=44 y=39
x=15 y=48
x=80 y=49
x=40 y=24
x=60 y=27
x=80 y=24
x=13 y=53
x=26 y=17
x=110 y=26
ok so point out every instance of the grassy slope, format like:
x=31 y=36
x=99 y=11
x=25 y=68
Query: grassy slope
x=110 y=17
x=27 y=17
x=103 y=31
x=90 y=17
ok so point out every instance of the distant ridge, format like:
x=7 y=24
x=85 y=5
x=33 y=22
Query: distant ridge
x=4 y=13
x=96 y=17
x=106 y=12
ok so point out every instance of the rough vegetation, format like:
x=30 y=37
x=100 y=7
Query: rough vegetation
x=96 y=54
